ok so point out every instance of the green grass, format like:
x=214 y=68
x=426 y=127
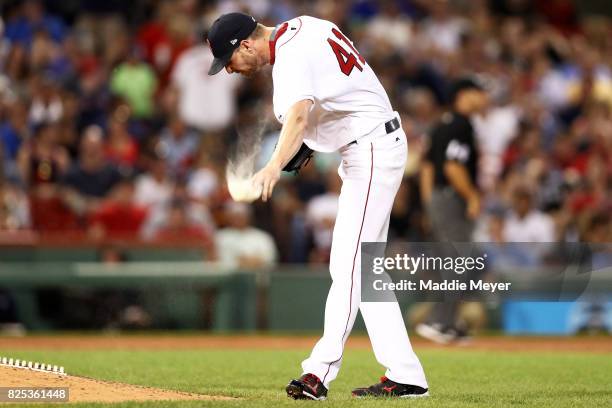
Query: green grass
x=456 y=378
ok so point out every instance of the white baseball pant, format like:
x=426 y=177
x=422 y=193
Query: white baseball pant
x=371 y=173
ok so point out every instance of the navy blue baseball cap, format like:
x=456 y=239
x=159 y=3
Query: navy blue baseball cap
x=225 y=36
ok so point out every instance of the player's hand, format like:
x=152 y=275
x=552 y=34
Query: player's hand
x=267 y=178
x=473 y=206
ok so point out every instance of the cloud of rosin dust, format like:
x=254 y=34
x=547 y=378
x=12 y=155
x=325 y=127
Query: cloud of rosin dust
x=241 y=164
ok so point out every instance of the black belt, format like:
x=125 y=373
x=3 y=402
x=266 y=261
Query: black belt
x=390 y=127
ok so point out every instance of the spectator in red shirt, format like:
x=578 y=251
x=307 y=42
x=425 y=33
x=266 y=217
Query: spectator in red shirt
x=118 y=217
x=178 y=227
x=164 y=39
x=121 y=148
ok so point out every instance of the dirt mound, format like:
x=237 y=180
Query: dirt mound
x=83 y=389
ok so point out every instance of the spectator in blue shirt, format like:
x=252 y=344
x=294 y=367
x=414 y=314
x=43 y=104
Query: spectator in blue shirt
x=29 y=20
x=13 y=132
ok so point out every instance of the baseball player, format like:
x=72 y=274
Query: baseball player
x=328 y=99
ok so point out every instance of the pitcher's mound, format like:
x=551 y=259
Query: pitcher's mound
x=83 y=389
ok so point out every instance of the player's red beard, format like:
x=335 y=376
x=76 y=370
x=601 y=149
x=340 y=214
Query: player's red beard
x=245 y=63
x=250 y=65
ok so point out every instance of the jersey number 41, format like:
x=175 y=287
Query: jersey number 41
x=346 y=60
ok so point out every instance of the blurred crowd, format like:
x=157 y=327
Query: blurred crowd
x=110 y=128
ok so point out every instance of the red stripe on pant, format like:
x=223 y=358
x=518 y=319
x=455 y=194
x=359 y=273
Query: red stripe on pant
x=348 y=319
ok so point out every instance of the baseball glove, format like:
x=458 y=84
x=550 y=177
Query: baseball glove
x=299 y=160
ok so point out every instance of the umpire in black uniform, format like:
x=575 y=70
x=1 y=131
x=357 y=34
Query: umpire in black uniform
x=450 y=193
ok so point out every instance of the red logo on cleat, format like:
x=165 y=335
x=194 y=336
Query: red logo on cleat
x=389 y=389
x=314 y=389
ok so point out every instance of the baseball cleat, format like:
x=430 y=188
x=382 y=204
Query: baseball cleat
x=307 y=387
x=434 y=332
x=389 y=388
x=443 y=334
x=459 y=335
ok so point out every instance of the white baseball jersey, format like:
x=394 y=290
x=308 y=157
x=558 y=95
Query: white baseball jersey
x=313 y=60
